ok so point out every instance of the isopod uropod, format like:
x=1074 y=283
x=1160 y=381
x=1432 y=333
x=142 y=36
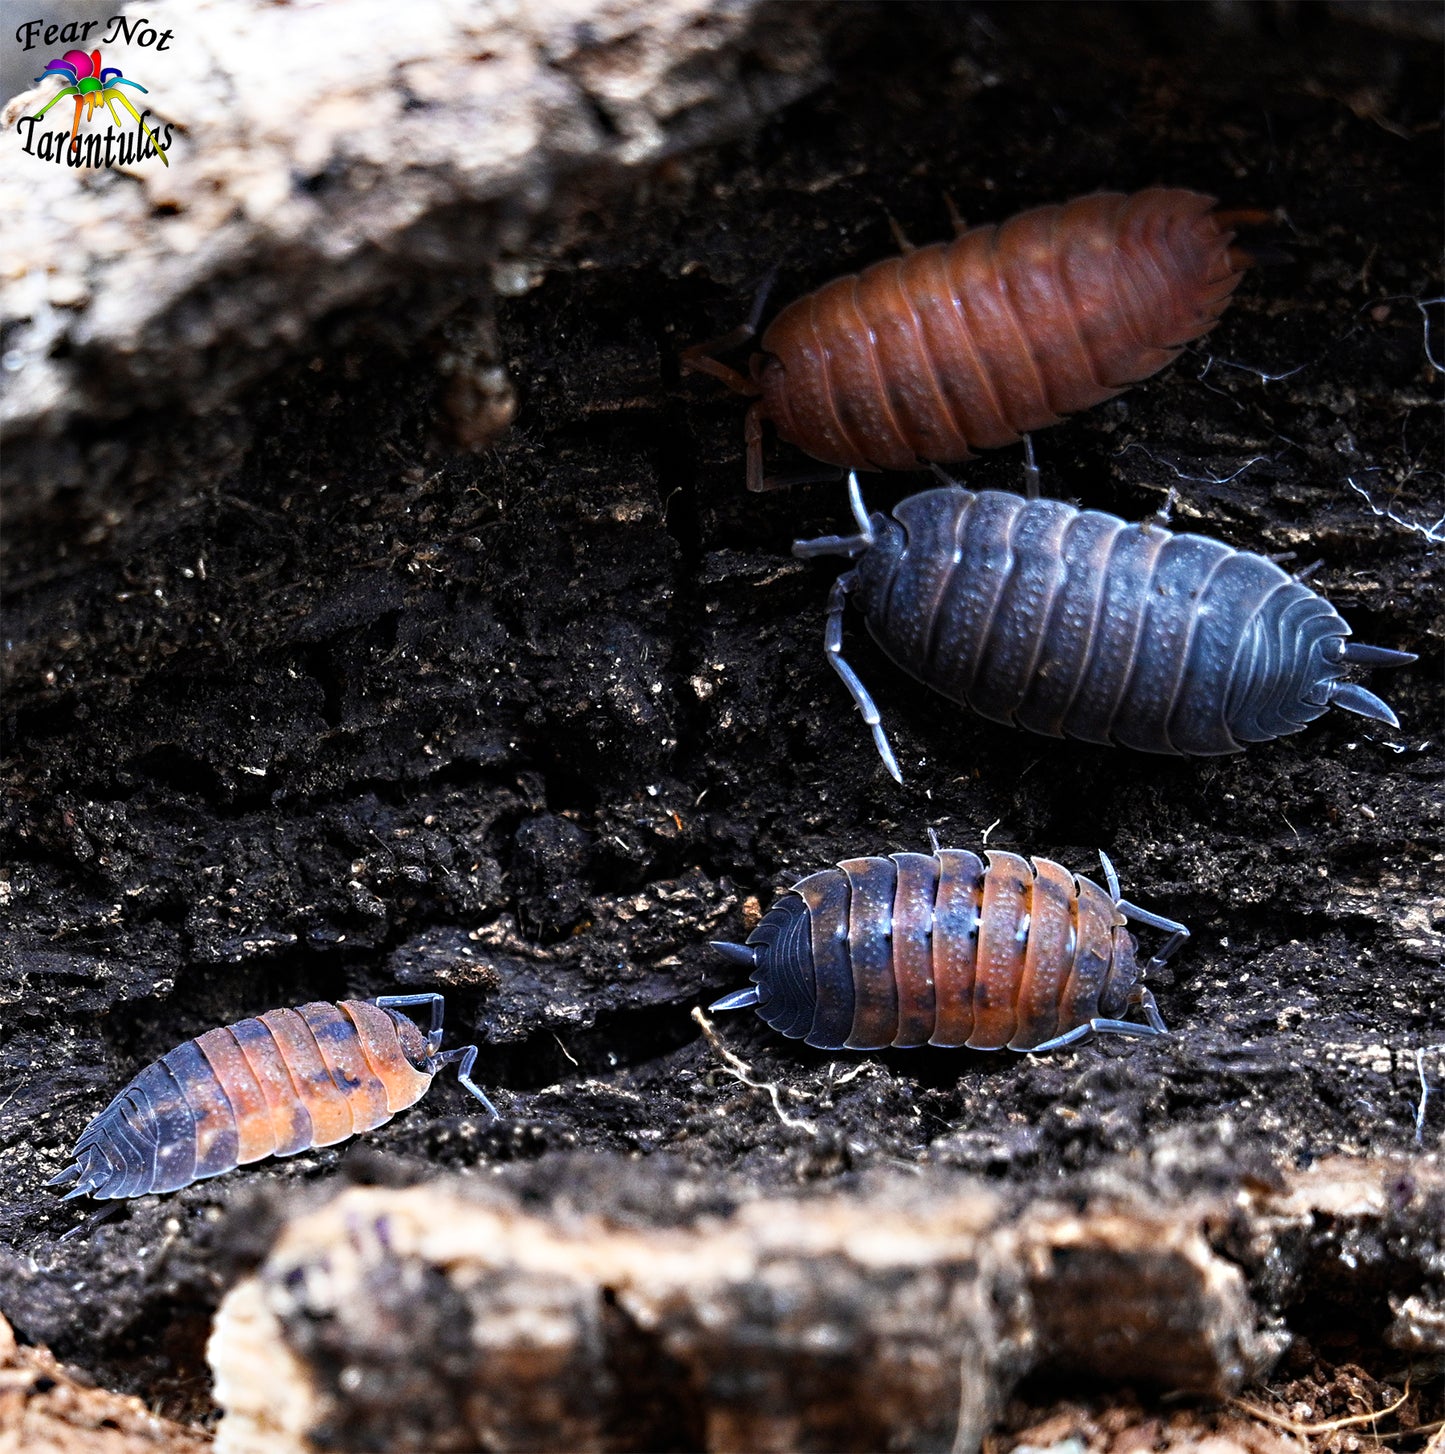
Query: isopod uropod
x=943 y=949
x=967 y=345
x=1073 y=623
x=275 y=1085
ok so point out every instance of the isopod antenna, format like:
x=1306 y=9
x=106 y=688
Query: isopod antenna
x=464 y=1057
x=467 y=1056
x=850 y=546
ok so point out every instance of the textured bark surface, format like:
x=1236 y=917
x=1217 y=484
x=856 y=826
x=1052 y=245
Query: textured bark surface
x=45 y=1410
x=899 y=1318
x=306 y=699
x=397 y=160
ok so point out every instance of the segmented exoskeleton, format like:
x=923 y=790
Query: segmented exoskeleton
x=970 y=344
x=1075 y=624
x=276 y=1085
x=943 y=949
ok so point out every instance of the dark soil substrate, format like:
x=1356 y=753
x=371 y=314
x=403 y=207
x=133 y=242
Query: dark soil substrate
x=531 y=726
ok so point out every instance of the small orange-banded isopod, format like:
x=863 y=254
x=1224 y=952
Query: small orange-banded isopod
x=945 y=949
x=275 y=1085
x=971 y=344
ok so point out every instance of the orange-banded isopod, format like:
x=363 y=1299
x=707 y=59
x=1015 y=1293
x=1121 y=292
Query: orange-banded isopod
x=945 y=949
x=971 y=344
x=275 y=1085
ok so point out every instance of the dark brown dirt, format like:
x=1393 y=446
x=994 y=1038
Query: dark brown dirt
x=532 y=726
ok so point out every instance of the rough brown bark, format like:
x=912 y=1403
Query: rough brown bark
x=898 y=1318
x=44 y=1409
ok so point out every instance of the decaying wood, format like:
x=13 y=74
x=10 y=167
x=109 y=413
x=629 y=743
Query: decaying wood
x=900 y=1318
x=44 y=1409
x=403 y=157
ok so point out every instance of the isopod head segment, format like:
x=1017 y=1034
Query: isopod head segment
x=464 y=1057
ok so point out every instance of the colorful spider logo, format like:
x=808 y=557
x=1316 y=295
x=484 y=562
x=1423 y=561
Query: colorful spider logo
x=93 y=87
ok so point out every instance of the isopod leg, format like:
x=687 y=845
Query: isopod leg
x=757 y=480
x=833 y=647
x=1031 y=469
x=698 y=358
x=467 y=1055
x=1281 y=557
x=85 y=1228
x=438 y=1011
x=1164 y=514
x=1152 y=1031
x=905 y=243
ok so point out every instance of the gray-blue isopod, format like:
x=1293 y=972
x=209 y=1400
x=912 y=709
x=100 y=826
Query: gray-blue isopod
x=1074 y=623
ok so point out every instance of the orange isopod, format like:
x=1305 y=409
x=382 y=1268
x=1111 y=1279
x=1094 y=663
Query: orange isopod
x=971 y=344
x=947 y=948
x=275 y=1085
